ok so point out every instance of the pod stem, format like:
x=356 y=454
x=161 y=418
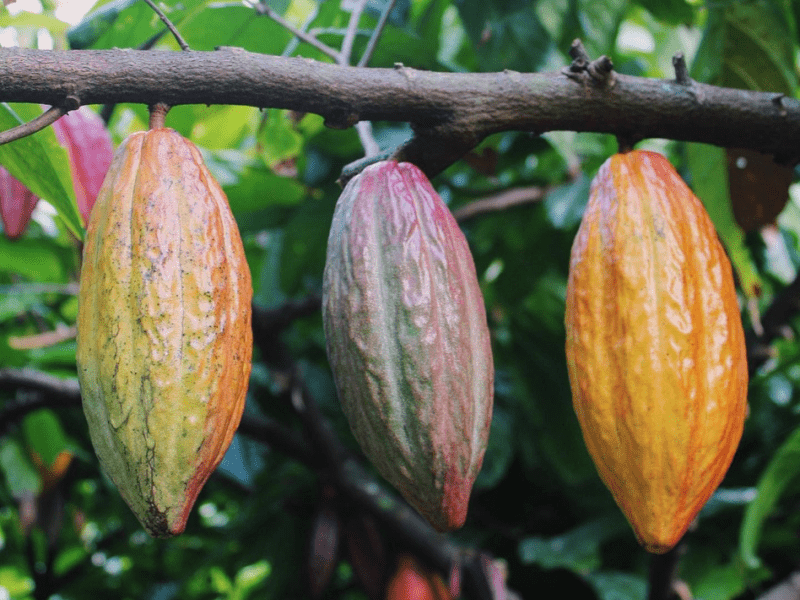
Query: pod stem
x=158 y=113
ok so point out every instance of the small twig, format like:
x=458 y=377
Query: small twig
x=681 y=70
x=181 y=42
x=350 y=35
x=262 y=9
x=48 y=117
x=295 y=41
x=373 y=40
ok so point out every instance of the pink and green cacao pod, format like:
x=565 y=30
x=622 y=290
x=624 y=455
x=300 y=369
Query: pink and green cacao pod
x=164 y=334
x=407 y=338
x=83 y=133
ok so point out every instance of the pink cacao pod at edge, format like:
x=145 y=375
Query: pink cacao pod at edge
x=407 y=338
x=16 y=204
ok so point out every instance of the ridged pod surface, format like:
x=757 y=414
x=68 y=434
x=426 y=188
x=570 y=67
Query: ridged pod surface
x=164 y=335
x=407 y=338
x=655 y=346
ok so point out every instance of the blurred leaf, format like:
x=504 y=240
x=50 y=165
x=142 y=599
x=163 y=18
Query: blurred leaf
x=15 y=582
x=95 y=24
x=232 y=24
x=618 y=586
x=500 y=450
x=565 y=203
x=41 y=163
x=44 y=435
x=674 y=12
x=578 y=549
x=507 y=34
x=243 y=460
x=279 y=138
x=31 y=259
x=780 y=472
x=747 y=45
x=33 y=20
x=21 y=476
x=223 y=127
x=709 y=168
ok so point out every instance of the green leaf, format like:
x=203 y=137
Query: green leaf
x=499 y=452
x=44 y=435
x=15 y=583
x=708 y=166
x=782 y=470
x=618 y=586
x=578 y=549
x=21 y=476
x=748 y=45
x=506 y=34
x=30 y=259
x=95 y=24
x=674 y=12
x=42 y=164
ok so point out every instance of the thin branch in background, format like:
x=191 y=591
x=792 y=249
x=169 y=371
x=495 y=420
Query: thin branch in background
x=500 y=201
x=373 y=40
x=44 y=339
x=181 y=42
x=367 y=138
x=346 y=51
x=48 y=117
x=262 y=9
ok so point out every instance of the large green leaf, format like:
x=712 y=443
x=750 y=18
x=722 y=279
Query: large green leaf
x=782 y=470
x=748 y=45
x=41 y=163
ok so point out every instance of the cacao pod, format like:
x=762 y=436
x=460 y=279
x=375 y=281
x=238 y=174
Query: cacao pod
x=655 y=346
x=16 y=205
x=407 y=338
x=409 y=582
x=83 y=133
x=164 y=335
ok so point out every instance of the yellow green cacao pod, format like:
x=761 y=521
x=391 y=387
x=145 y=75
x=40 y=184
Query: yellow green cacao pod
x=655 y=346
x=164 y=335
x=407 y=338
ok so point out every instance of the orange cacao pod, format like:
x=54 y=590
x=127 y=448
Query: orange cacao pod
x=164 y=335
x=409 y=582
x=407 y=338
x=655 y=346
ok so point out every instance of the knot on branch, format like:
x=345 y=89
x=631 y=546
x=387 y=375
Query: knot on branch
x=584 y=70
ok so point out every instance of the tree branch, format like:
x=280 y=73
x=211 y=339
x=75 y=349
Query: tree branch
x=450 y=112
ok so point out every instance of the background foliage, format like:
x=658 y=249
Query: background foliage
x=538 y=504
